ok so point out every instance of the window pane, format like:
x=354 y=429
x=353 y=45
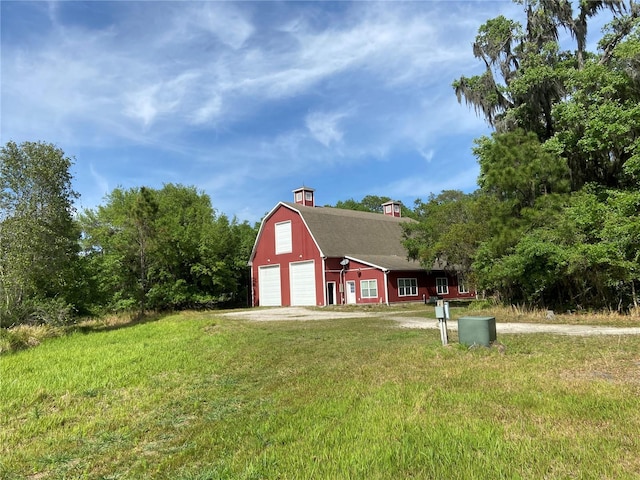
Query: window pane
x=462 y=285
x=369 y=288
x=442 y=286
x=407 y=287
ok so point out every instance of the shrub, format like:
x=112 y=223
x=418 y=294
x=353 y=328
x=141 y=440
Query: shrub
x=38 y=311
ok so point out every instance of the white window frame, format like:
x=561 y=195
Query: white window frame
x=411 y=287
x=308 y=196
x=442 y=285
x=462 y=284
x=284 y=243
x=368 y=288
x=298 y=196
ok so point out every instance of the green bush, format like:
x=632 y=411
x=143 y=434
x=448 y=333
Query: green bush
x=38 y=311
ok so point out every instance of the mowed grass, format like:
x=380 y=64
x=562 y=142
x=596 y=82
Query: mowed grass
x=200 y=396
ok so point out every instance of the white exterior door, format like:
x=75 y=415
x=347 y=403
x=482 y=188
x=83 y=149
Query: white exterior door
x=303 y=283
x=269 y=285
x=351 y=292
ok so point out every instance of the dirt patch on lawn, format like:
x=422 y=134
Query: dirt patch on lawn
x=313 y=314
x=278 y=314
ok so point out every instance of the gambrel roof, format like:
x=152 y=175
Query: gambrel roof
x=372 y=238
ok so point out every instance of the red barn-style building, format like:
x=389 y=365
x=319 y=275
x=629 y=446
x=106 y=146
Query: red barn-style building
x=308 y=255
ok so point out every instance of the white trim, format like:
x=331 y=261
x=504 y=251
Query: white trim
x=462 y=283
x=334 y=289
x=415 y=279
x=368 y=288
x=305 y=224
x=253 y=289
x=324 y=282
x=266 y=219
x=386 y=287
x=446 y=280
x=372 y=265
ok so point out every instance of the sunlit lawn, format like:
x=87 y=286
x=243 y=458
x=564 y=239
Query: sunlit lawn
x=198 y=396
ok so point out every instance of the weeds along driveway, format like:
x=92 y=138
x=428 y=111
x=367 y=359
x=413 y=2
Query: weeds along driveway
x=311 y=314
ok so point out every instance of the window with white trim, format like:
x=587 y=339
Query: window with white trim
x=283 y=238
x=462 y=285
x=442 y=286
x=369 y=288
x=298 y=196
x=407 y=287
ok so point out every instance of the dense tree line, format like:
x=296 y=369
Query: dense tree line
x=556 y=218
x=143 y=249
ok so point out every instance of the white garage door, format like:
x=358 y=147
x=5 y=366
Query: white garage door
x=303 y=283
x=269 y=285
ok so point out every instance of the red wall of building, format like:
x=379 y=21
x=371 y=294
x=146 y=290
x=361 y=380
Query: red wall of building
x=452 y=279
x=357 y=272
x=303 y=248
x=423 y=286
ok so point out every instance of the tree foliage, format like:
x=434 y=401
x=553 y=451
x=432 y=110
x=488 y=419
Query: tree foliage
x=370 y=203
x=165 y=249
x=560 y=174
x=38 y=237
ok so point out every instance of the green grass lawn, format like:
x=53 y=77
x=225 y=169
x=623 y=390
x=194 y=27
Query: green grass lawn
x=198 y=396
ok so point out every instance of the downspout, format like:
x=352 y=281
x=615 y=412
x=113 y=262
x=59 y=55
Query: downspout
x=386 y=286
x=342 y=287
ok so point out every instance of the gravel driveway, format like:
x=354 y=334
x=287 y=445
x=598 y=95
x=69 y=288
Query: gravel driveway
x=309 y=314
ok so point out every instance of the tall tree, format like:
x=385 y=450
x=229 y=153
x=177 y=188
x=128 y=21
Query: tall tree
x=165 y=249
x=560 y=173
x=38 y=237
x=525 y=72
x=449 y=230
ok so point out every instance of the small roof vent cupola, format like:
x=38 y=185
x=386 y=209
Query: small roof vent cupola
x=304 y=196
x=392 y=209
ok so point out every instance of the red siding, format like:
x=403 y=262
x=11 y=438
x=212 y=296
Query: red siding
x=452 y=280
x=303 y=248
x=357 y=272
x=423 y=290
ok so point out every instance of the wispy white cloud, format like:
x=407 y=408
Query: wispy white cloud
x=426 y=154
x=421 y=186
x=324 y=126
x=257 y=93
x=101 y=182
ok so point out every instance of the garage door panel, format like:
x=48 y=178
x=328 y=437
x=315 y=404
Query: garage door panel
x=269 y=284
x=303 y=283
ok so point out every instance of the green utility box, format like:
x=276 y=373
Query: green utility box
x=477 y=330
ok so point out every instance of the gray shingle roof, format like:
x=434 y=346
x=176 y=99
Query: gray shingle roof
x=372 y=237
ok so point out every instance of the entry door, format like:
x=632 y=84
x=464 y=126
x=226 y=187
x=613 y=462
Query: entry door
x=331 y=293
x=351 y=292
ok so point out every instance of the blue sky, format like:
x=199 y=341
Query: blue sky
x=248 y=101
